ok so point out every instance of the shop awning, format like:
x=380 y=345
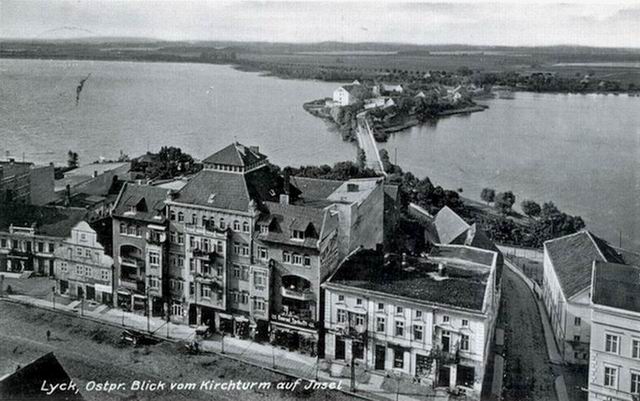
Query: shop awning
x=225 y=316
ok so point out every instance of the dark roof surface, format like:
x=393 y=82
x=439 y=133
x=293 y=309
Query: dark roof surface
x=234 y=191
x=284 y=218
x=48 y=220
x=235 y=154
x=616 y=285
x=367 y=269
x=315 y=188
x=26 y=382
x=149 y=197
x=573 y=256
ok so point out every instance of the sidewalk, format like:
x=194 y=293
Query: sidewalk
x=259 y=354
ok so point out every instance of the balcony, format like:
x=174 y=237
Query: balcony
x=355 y=331
x=129 y=261
x=296 y=319
x=446 y=357
x=208 y=278
x=203 y=253
x=297 y=293
x=156 y=238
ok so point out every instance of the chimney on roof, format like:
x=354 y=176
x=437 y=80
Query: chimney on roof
x=441 y=269
x=287 y=182
x=254 y=149
x=351 y=187
x=95 y=173
x=284 y=199
x=12 y=160
x=67 y=195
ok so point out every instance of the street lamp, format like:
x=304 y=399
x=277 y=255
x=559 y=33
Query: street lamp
x=53 y=297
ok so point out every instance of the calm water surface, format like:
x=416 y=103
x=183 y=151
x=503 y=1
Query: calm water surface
x=582 y=152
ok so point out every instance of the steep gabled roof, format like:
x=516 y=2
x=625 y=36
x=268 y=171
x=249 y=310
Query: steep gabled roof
x=315 y=188
x=283 y=219
x=616 y=285
x=235 y=154
x=572 y=258
x=148 y=199
x=448 y=225
x=48 y=220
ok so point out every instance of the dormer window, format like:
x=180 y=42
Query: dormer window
x=132 y=209
x=264 y=229
x=212 y=197
x=297 y=235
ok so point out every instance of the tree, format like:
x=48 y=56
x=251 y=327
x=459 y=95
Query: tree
x=362 y=158
x=488 y=195
x=504 y=201
x=530 y=208
x=72 y=159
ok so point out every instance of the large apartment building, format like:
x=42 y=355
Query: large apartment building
x=566 y=288
x=614 y=368
x=431 y=318
x=82 y=269
x=140 y=249
x=26 y=183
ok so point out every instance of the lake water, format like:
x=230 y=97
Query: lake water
x=580 y=151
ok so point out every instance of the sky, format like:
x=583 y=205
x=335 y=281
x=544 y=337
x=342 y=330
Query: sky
x=477 y=23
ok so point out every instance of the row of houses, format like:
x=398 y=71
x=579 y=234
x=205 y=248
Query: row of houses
x=295 y=261
x=591 y=292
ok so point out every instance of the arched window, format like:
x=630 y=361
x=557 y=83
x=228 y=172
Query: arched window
x=172 y=215
x=222 y=226
x=180 y=217
x=236 y=225
x=194 y=219
x=245 y=227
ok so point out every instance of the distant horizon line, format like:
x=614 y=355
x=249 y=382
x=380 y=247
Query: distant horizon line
x=100 y=38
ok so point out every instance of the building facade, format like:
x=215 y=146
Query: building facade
x=566 y=288
x=140 y=249
x=614 y=369
x=396 y=314
x=82 y=269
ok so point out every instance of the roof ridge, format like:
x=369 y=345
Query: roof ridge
x=591 y=237
x=564 y=236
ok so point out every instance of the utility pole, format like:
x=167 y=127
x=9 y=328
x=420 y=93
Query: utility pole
x=317 y=366
x=273 y=356
x=223 y=342
x=53 y=297
x=148 y=310
x=82 y=304
x=353 y=374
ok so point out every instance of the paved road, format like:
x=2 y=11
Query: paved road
x=368 y=144
x=528 y=372
x=90 y=351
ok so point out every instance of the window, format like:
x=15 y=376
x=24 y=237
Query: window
x=192 y=265
x=245 y=228
x=180 y=261
x=236 y=225
x=445 y=319
x=611 y=343
x=635 y=348
x=399 y=310
x=297 y=259
x=464 y=342
x=576 y=339
x=263 y=253
x=577 y=321
x=297 y=234
x=258 y=279
x=205 y=221
x=635 y=383
x=359 y=320
x=307 y=261
x=245 y=273
x=340 y=298
x=380 y=306
x=245 y=250
x=180 y=239
x=399 y=328
x=236 y=248
x=192 y=288
x=154 y=258
x=264 y=229
x=194 y=219
x=172 y=237
x=398 y=358
x=342 y=316
x=123 y=228
x=51 y=247
x=3 y=243
x=235 y=297
x=219 y=247
x=222 y=223
x=244 y=298
x=206 y=292
x=236 y=271
x=41 y=246
x=172 y=215
x=610 y=377
x=380 y=324
x=192 y=243
x=79 y=251
x=259 y=304
x=286 y=257
x=358 y=301
x=465 y=323
x=104 y=275
x=154 y=282
x=180 y=217
x=417 y=332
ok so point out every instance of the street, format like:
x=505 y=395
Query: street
x=528 y=374
x=91 y=351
